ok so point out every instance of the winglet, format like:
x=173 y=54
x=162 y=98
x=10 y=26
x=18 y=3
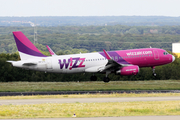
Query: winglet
x=107 y=55
x=50 y=51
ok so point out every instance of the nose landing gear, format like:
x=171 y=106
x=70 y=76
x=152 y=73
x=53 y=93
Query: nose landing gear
x=153 y=69
x=106 y=79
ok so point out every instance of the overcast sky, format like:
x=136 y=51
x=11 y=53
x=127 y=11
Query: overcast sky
x=90 y=8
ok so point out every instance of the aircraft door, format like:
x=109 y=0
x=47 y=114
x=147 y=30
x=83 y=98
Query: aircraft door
x=156 y=55
x=49 y=64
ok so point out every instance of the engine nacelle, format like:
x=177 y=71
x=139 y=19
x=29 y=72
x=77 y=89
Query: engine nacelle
x=128 y=70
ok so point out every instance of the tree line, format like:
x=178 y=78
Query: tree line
x=93 y=38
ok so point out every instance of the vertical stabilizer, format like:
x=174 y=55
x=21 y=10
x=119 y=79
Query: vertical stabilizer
x=25 y=47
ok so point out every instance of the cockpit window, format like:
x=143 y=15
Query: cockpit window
x=166 y=53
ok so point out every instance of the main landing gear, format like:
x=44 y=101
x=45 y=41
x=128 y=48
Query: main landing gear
x=106 y=79
x=153 y=69
x=93 y=78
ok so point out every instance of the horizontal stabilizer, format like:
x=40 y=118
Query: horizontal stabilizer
x=21 y=63
x=10 y=61
x=29 y=64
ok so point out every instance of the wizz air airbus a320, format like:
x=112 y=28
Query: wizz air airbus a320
x=121 y=62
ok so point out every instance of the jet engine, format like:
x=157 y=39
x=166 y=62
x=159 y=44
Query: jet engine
x=128 y=70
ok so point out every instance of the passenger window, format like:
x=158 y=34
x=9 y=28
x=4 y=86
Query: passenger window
x=116 y=58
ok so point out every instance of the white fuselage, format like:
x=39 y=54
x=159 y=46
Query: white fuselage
x=87 y=62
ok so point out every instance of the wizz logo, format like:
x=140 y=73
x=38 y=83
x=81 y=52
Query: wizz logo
x=72 y=62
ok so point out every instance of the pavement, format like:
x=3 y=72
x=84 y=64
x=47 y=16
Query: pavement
x=85 y=100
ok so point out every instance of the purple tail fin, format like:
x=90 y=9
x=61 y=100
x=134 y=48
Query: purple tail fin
x=25 y=47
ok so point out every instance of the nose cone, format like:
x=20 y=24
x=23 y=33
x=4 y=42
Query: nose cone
x=173 y=58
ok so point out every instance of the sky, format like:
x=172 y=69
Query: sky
x=90 y=8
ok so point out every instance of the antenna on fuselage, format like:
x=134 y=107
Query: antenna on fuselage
x=35 y=33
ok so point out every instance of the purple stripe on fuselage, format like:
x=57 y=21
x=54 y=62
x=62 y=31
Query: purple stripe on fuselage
x=115 y=56
x=24 y=49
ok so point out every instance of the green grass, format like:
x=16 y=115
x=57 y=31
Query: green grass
x=89 y=86
x=55 y=110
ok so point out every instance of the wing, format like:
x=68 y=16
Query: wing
x=112 y=64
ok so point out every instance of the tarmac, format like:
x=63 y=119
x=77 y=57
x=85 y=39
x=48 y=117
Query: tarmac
x=86 y=100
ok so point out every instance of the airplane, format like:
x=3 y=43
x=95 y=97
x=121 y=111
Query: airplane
x=120 y=62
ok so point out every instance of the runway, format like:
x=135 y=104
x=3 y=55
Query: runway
x=112 y=118
x=85 y=100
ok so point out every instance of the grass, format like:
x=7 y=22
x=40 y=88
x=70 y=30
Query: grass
x=57 y=110
x=50 y=110
x=89 y=86
x=90 y=96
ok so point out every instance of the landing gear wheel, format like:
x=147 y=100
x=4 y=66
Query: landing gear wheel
x=93 y=78
x=106 y=79
x=153 y=69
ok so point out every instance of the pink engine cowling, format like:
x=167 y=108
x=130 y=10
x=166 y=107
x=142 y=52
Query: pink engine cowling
x=129 y=70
